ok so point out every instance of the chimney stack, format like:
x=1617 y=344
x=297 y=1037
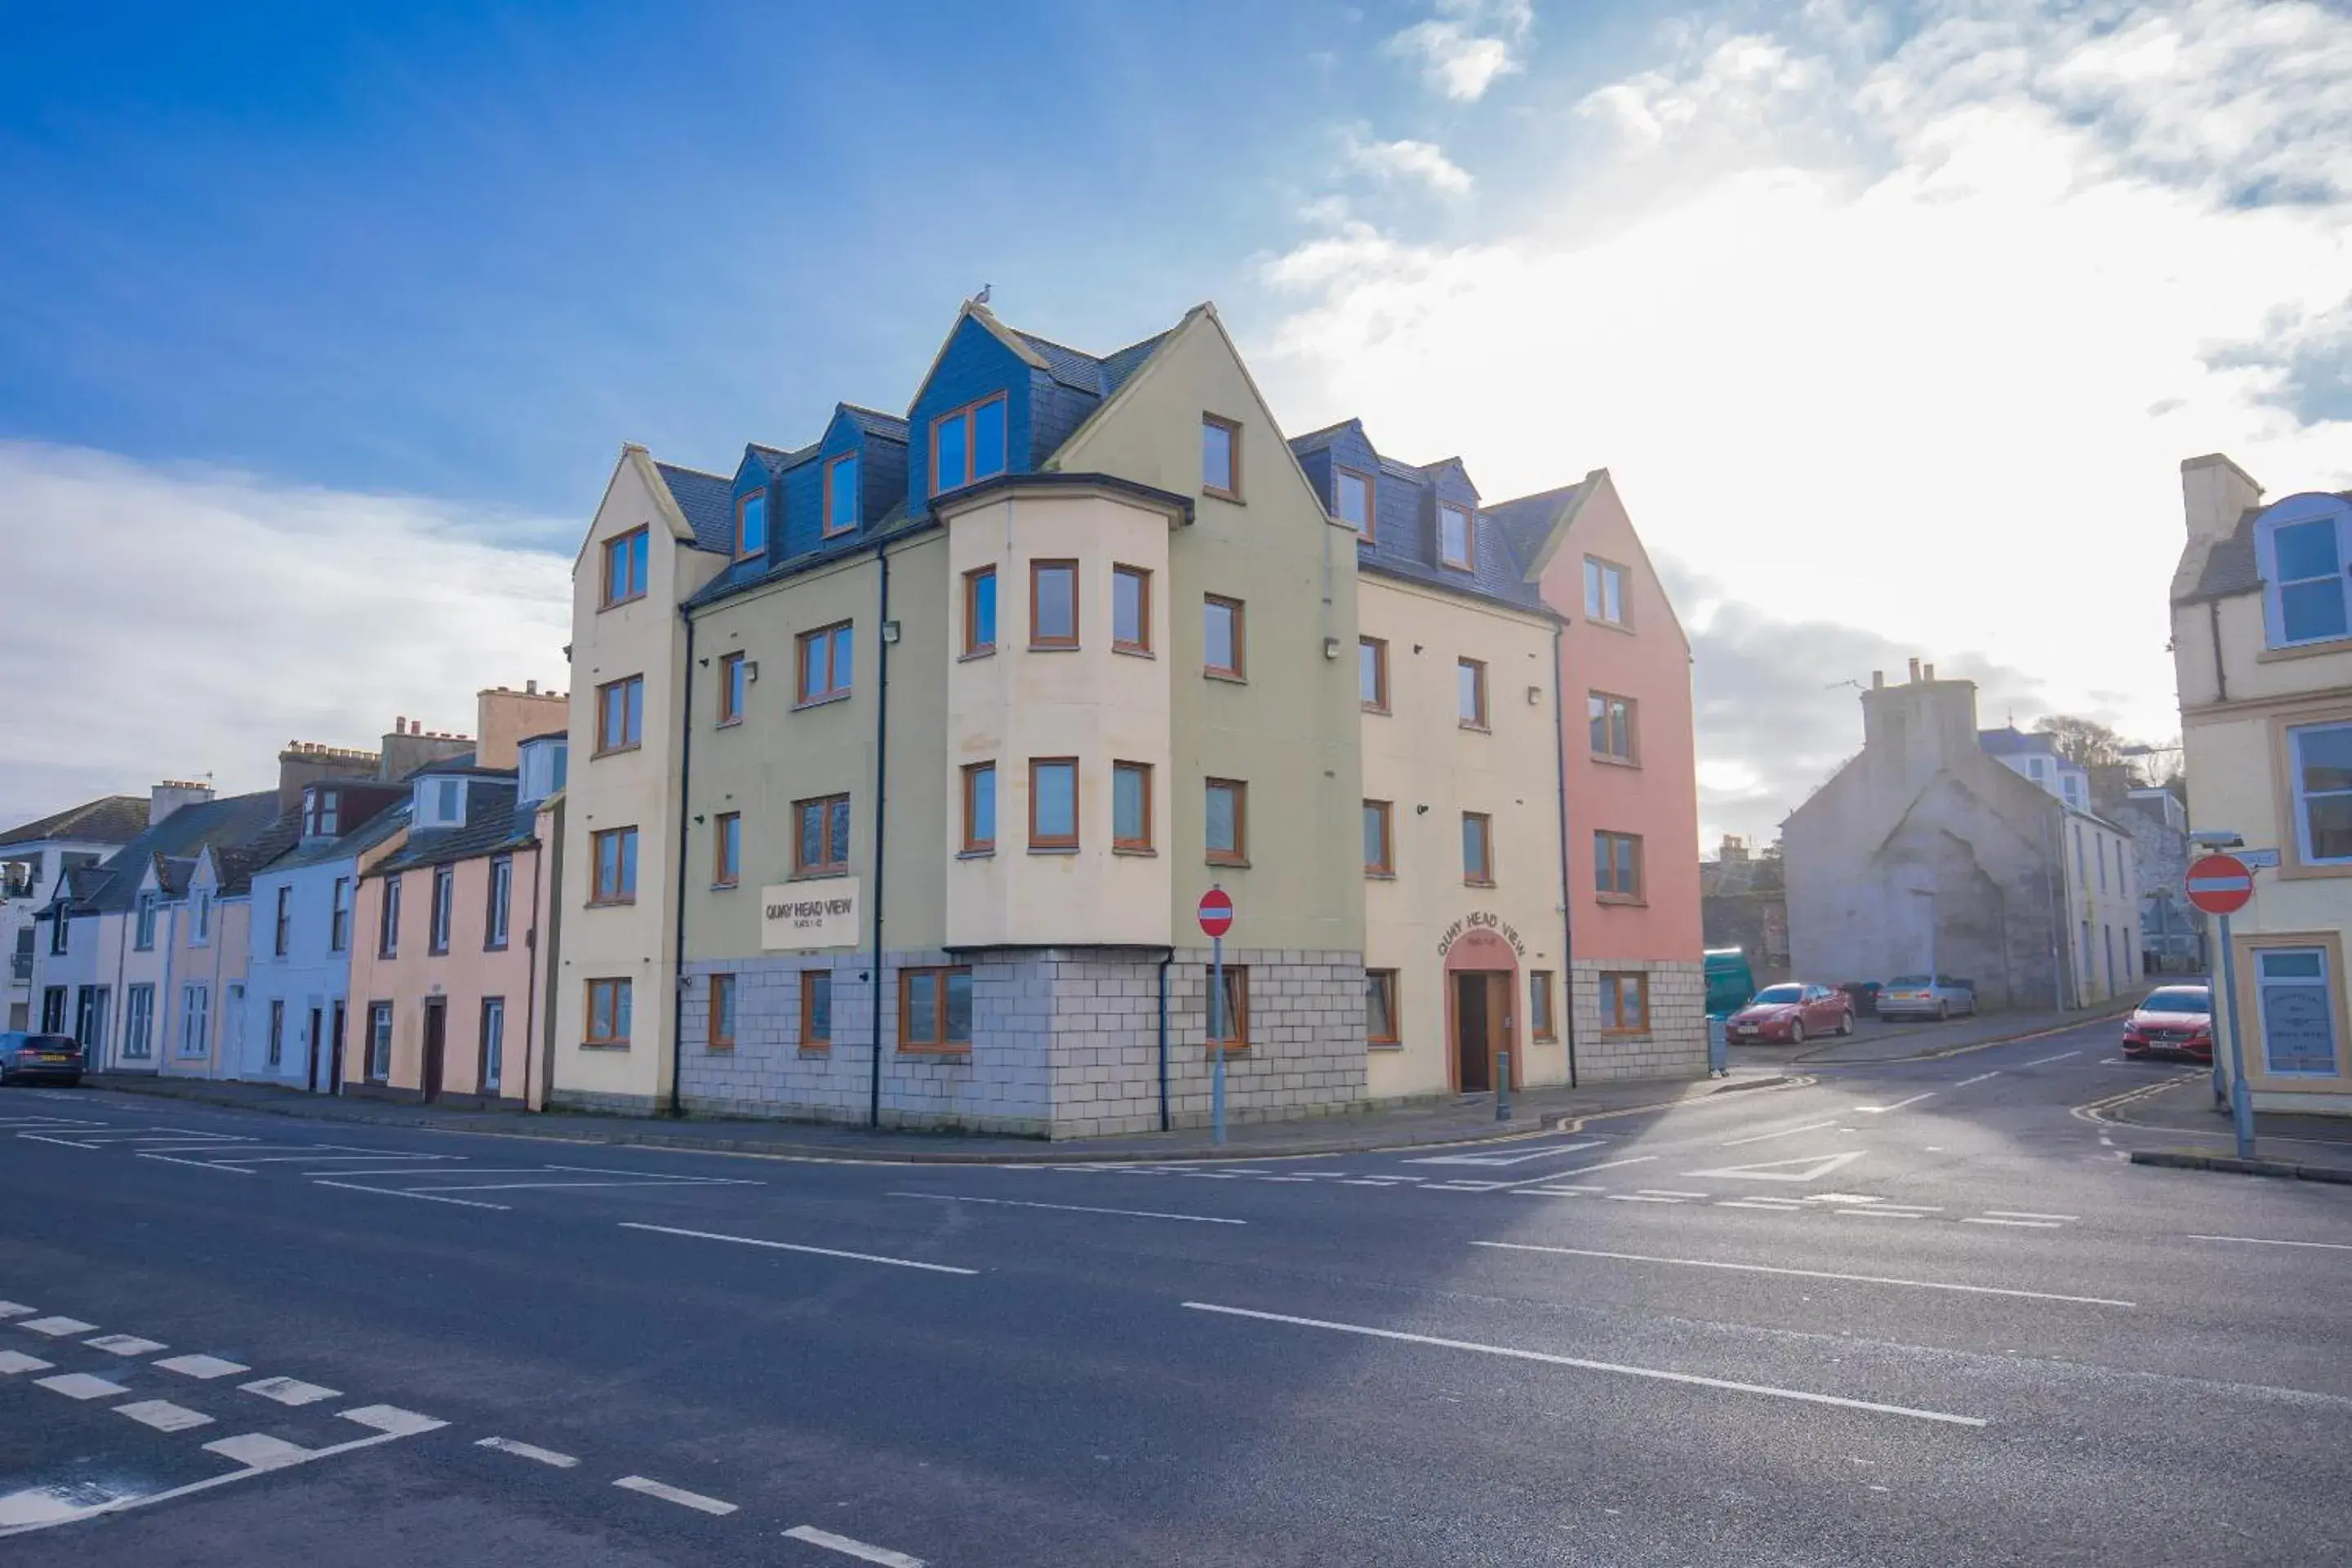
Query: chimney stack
x=170 y=795
x=1930 y=670
x=1878 y=680
x=1914 y=670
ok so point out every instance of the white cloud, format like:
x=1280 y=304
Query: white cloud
x=1468 y=44
x=1905 y=332
x=173 y=622
x=1423 y=160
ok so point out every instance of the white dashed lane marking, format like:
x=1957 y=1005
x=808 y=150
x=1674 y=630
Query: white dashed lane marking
x=13 y=1360
x=795 y=1247
x=258 y=1451
x=164 y=1416
x=848 y=1548
x=678 y=1495
x=289 y=1390
x=124 y=1345
x=15 y=1310
x=1803 y=1273
x=529 y=1451
x=1071 y=1207
x=81 y=1385
x=393 y=1419
x=57 y=1328
x=201 y=1366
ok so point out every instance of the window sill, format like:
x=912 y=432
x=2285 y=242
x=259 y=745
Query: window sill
x=1056 y=648
x=616 y=750
x=988 y=853
x=620 y=603
x=2269 y=655
x=720 y=1047
x=819 y=873
x=1231 y=863
x=1461 y=566
x=1474 y=727
x=813 y=1053
x=604 y=904
x=1617 y=626
x=725 y=886
x=603 y=1045
x=826 y=701
x=1605 y=760
x=1231 y=677
x=496 y=947
x=1138 y=852
x=945 y=1053
x=1621 y=900
x=1380 y=708
x=1543 y=1039
x=969 y=654
x=1053 y=848
x=1133 y=651
x=1216 y=495
x=735 y=723
x=1233 y=1048
x=1625 y=1034
x=1382 y=875
x=1477 y=881
x=1383 y=1045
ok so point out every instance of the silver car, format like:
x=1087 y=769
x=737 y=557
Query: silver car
x=1927 y=996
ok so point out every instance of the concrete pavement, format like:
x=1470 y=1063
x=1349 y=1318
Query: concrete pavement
x=1913 y=1313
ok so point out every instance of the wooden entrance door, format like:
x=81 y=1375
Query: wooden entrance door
x=335 y=1053
x=1482 y=1028
x=317 y=1047
x=437 y=1045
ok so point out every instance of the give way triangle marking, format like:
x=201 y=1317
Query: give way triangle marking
x=1813 y=1167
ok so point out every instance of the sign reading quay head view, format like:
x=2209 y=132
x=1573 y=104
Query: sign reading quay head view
x=821 y=914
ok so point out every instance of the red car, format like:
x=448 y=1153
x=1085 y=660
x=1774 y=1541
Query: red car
x=1789 y=1012
x=2172 y=1018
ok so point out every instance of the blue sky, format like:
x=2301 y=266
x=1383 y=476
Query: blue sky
x=320 y=325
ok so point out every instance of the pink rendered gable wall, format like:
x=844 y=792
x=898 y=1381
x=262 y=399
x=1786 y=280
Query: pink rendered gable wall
x=1659 y=799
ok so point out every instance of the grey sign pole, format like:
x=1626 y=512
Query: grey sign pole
x=1217 y=1033
x=2242 y=1099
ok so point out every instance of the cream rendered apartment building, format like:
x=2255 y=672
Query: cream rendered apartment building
x=2261 y=631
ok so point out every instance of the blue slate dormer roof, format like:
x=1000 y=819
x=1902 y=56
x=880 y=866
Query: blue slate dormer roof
x=706 y=500
x=1403 y=538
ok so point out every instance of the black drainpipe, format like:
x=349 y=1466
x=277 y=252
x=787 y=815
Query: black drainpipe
x=1166 y=958
x=685 y=820
x=881 y=804
x=1566 y=880
x=2221 y=674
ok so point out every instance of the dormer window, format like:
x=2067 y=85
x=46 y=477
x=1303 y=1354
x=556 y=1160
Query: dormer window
x=322 y=813
x=968 y=445
x=1353 y=492
x=1454 y=536
x=440 y=802
x=751 y=524
x=2303 y=567
x=841 y=495
x=540 y=769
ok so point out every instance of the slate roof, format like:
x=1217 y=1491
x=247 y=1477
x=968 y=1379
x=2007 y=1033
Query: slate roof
x=2013 y=742
x=233 y=823
x=1526 y=522
x=889 y=426
x=493 y=823
x=365 y=836
x=1100 y=376
x=109 y=819
x=709 y=502
x=2230 y=566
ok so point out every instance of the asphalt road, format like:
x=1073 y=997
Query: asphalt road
x=1916 y=1314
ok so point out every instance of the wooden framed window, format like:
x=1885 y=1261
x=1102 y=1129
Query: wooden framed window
x=614 y=851
x=722 y=1012
x=1379 y=839
x=1224 y=639
x=935 y=1009
x=821 y=836
x=1228 y=1024
x=980 y=611
x=445 y=888
x=1053 y=803
x=1130 y=807
x=751 y=524
x=727 y=849
x=1380 y=1007
x=498 y=912
x=1221 y=456
x=379 y=1042
x=1624 y=1001
x=1604 y=591
x=968 y=443
x=1477 y=849
x=620 y=715
x=610 y=1004
x=624 y=568
x=1540 y=1022
x=826 y=658
x=841 y=495
x=387 y=934
x=734 y=687
x=339 y=916
x=1617 y=867
x=1373 y=673
x=492 y=1067
x=1457 y=537
x=1352 y=492
x=1053 y=604
x=1470 y=686
x=2319 y=789
x=283 y=925
x=980 y=808
x=1610 y=720
x=816 y=1009
x=1130 y=610
x=1228 y=821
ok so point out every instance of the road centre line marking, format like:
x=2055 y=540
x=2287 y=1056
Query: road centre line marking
x=2027 y=1214
x=419 y=1161
x=1979 y=1078
x=1880 y=1110
x=395 y=1192
x=2046 y=1060
x=1069 y=1208
x=2272 y=1241
x=516 y=1185
x=1658 y=1374
x=1287 y=1178
x=1669 y=1192
x=2020 y=1224
x=1548 y=1192
x=1808 y=1273
x=528 y=1451
x=1788 y=1133
x=1639 y=1198
x=1757 y=1202
x=792 y=1246
x=705 y=1181
x=1881 y=1213
x=1578 y=1170
x=200 y=1165
x=848 y=1548
x=678 y=1495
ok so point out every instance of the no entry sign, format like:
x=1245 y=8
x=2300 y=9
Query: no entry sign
x=1217 y=913
x=2220 y=885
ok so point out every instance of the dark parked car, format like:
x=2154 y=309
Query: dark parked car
x=1789 y=1012
x=2172 y=1020
x=1864 y=996
x=39 y=1059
